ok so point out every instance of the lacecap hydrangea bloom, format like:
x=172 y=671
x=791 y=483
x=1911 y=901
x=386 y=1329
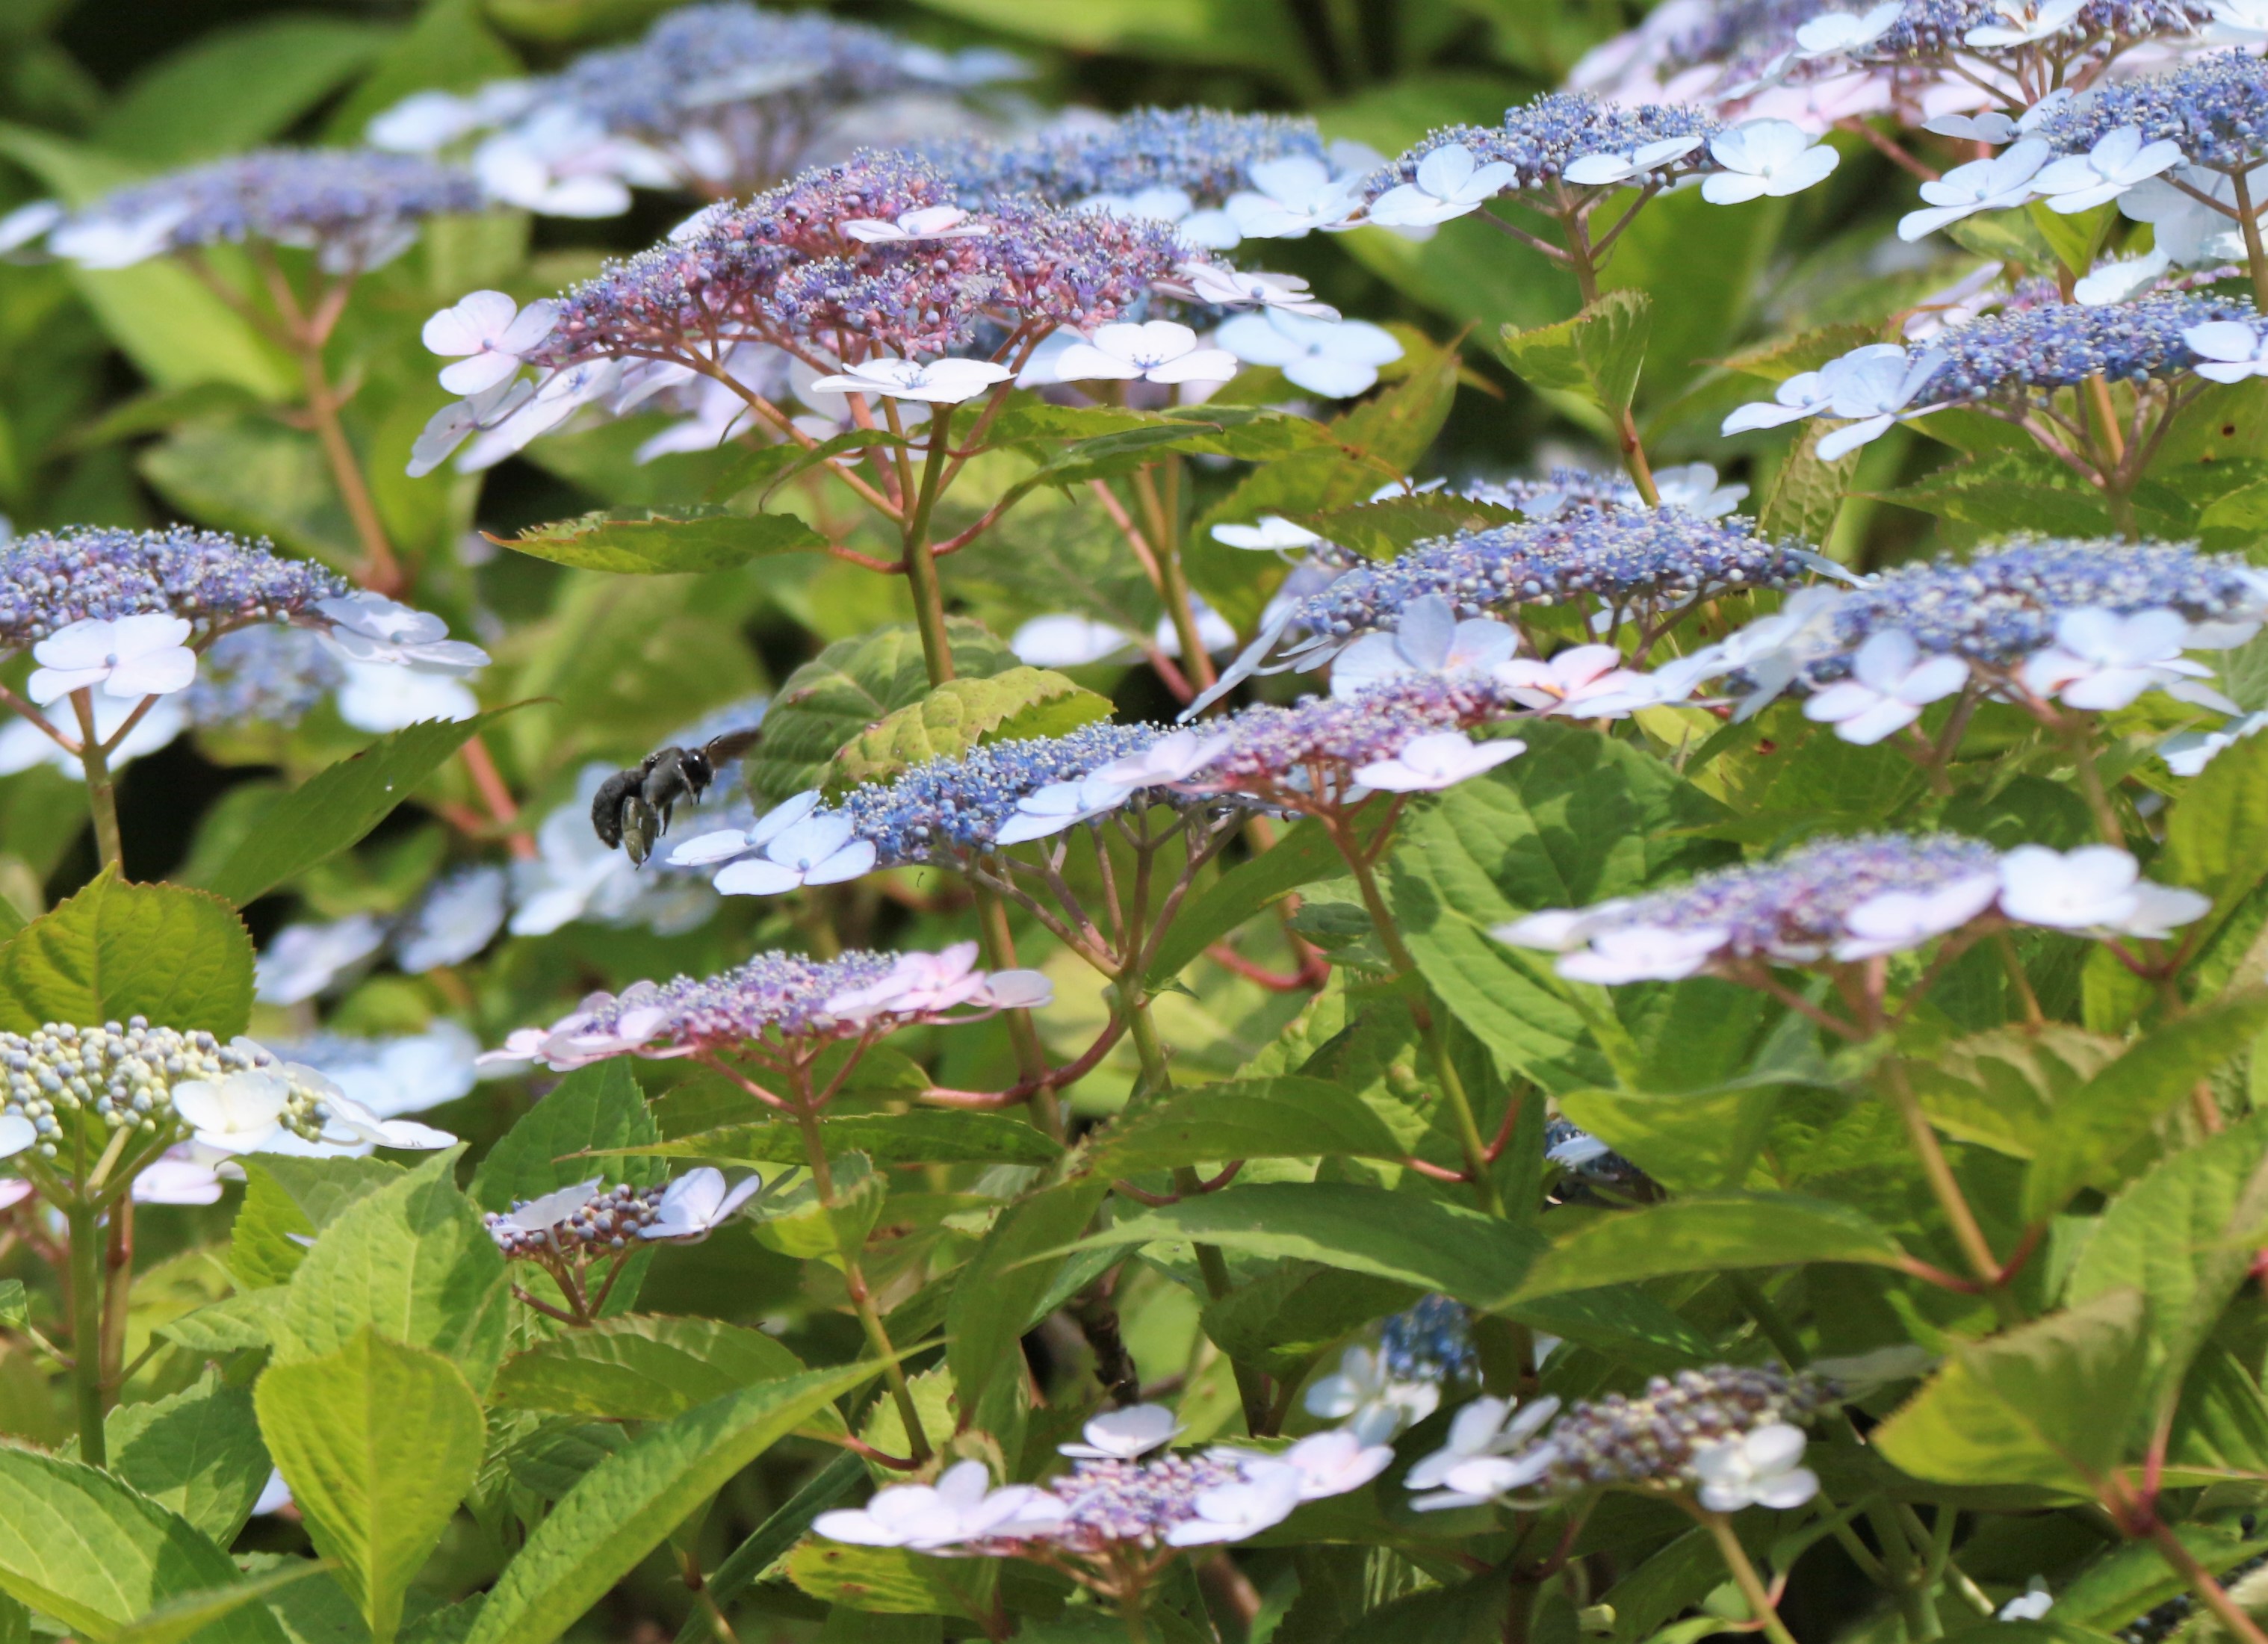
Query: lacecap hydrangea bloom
x=1846 y=900
x=355 y=209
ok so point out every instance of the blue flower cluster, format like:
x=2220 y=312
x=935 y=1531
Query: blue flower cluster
x=1538 y=139
x=1935 y=30
x=2017 y=351
x=1432 y=1341
x=1272 y=748
x=2215 y=107
x=49 y=580
x=1653 y=1439
x=777 y=994
x=948 y=808
x=2002 y=606
x=269 y=674
x=1620 y=557
x=1202 y=151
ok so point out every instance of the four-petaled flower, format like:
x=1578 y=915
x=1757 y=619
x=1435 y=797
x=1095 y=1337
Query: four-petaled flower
x=1367 y=1395
x=2028 y=24
x=945 y=382
x=1874 y=392
x=1125 y=1434
x=2095 y=887
x=2102 y=660
x=133 y=656
x=1599 y=170
x=238 y=1112
x=1249 y=288
x=1834 y=31
x=1583 y=681
x=961 y=1506
x=2118 y=161
x=2233 y=350
x=1890 y=683
x=793 y=846
x=1486 y=1429
x=697 y=1204
x=1291 y=196
x=1156 y=350
x=365 y=627
x=492 y=332
x=1337 y=358
x=1451 y=182
x=941 y=222
x=1895 y=921
x=1429 y=639
x=1760 y=1469
x=1765 y=157
x=1441 y=759
x=1993 y=185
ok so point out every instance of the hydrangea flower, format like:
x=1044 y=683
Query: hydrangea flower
x=1374 y=1403
x=1487 y=1429
x=1157 y=351
x=1428 y=638
x=939 y=382
x=1337 y=358
x=1759 y=1468
x=1201 y=154
x=489 y=336
x=132 y=657
x=1890 y=683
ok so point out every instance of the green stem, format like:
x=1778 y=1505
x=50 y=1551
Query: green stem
x=2076 y=738
x=1744 y=1575
x=101 y=786
x=999 y=944
x=854 y=1275
x=1770 y=1319
x=1163 y=510
x=2210 y=1592
x=87 y=1329
x=921 y=562
x=1429 y=1022
x=1939 y=1170
x=2249 y=221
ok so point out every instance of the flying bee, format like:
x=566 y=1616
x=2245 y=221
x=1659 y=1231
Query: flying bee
x=632 y=808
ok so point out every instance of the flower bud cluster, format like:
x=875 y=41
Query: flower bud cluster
x=2214 y=107
x=1275 y=751
x=1851 y=899
x=1653 y=1438
x=2021 y=351
x=1202 y=152
x=586 y=1219
x=49 y=580
x=356 y=208
x=1541 y=138
x=1432 y=1341
x=121 y=1076
x=1937 y=31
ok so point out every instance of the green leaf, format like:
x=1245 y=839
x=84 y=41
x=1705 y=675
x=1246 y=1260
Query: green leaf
x=1694 y=1142
x=627 y=1503
x=1596 y=356
x=640 y=1368
x=1132 y=439
x=336 y=808
x=2046 y=1404
x=1381 y=530
x=837 y=1484
x=255 y=476
x=1285 y=1319
x=198 y=1452
x=2074 y=238
x=415 y=1260
x=284 y=1196
x=77 y=1544
x=795 y=1222
x=181 y=957
x=998 y=1293
x=1230 y=32
x=379 y=1441
x=2098 y=1123
x=924 y=1136
x=887 y=1581
x=247 y=1319
x=1574 y=820
x=2217 y=834
x=188 y=1615
x=2182 y=1236
x=15 y=1304
x=848 y=686
x=1807 y=493
x=233 y=88
x=1706 y=1234
x=598 y=1109
x=2006 y=491
x=657 y=542
x=1248 y=1119
x=957 y=715
x=1301 y=856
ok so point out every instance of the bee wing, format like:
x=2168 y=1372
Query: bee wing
x=732 y=744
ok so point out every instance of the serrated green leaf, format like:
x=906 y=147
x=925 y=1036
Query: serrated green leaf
x=993 y=1301
x=924 y=1136
x=2047 y=1404
x=795 y=1223
x=413 y=1260
x=627 y=1503
x=640 y=1368
x=1245 y=1119
x=379 y=1441
x=77 y=1544
x=284 y=1196
x=188 y=1615
x=1285 y=1319
x=1380 y=531
x=198 y=1452
x=1807 y=493
x=336 y=808
x=851 y=684
x=1596 y=356
x=960 y=714
x=840 y=1482
x=663 y=541
x=181 y=957
x=1707 y=1234
x=248 y=1319
x=598 y=1109
x=2097 y=1124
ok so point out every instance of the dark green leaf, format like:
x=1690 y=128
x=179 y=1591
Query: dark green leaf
x=594 y=1109
x=661 y=541
x=1245 y=1119
x=640 y=1368
x=1708 y=1234
x=924 y=1136
x=181 y=957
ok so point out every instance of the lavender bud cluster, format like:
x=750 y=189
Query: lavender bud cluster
x=2212 y=107
x=1270 y=748
x=356 y=207
x=785 y=995
x=573 y=1223
x=1202 y=151
x=1111 y=1503
x=1432 y=1341
x=1539 y=139
x=2003 y=606
x=51 y=579
x=1936 y=31
x=952 y=808
x=121 y=1076
x=1652 y=1439
x=270 y=674
x=1621 y=558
